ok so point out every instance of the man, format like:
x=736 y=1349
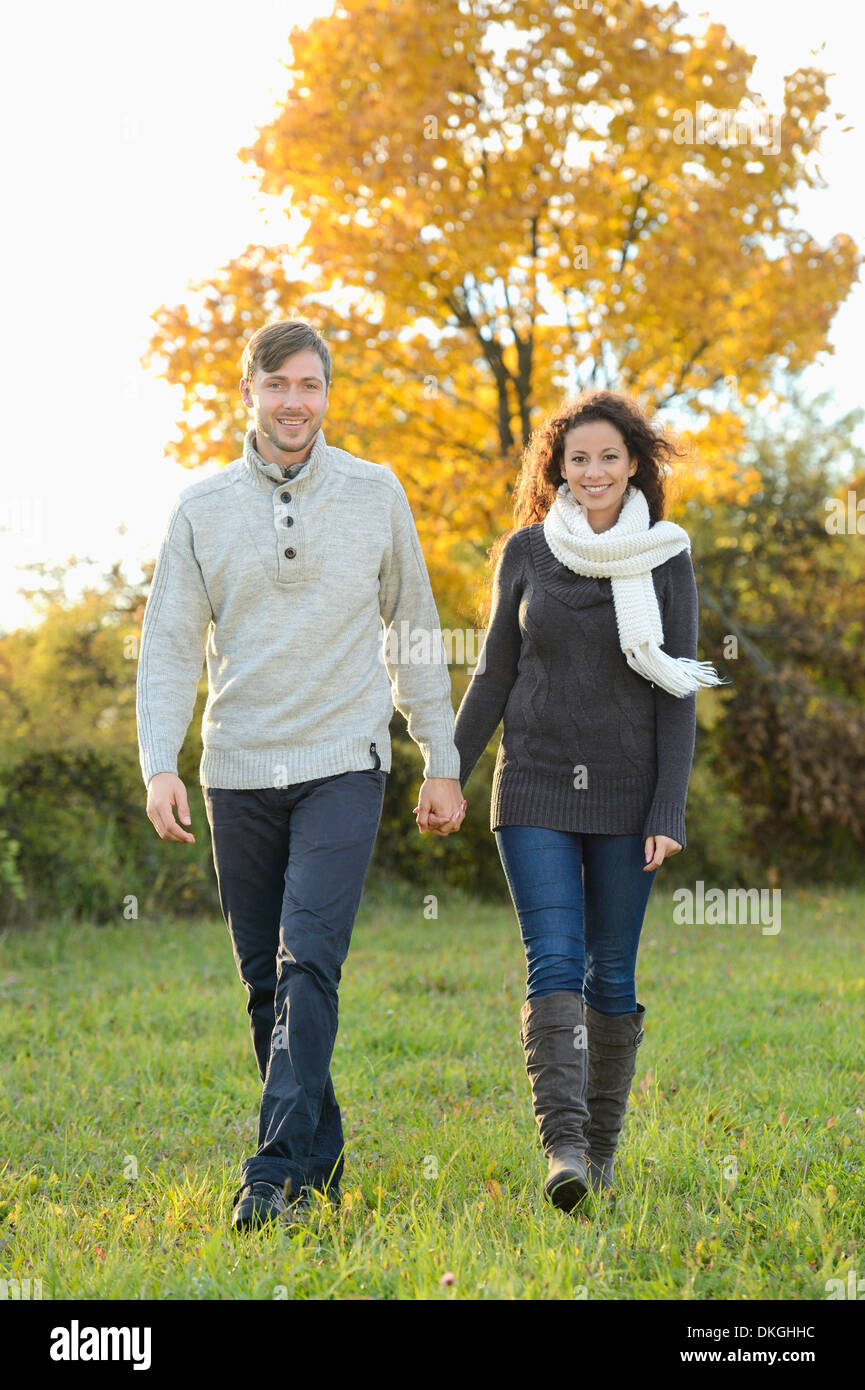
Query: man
x=286 y=562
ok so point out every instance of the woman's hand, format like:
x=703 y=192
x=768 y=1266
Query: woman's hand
x=659 y=848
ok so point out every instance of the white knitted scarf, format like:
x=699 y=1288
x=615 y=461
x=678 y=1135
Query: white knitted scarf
x=626 y=554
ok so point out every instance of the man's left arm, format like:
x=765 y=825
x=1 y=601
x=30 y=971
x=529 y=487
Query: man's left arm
x=417 y=669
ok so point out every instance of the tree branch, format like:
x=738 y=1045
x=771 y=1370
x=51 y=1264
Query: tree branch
x=632 y=225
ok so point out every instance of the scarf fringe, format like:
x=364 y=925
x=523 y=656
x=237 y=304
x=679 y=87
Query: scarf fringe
x=680 y=675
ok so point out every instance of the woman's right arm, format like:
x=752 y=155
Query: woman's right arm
x=484 y=702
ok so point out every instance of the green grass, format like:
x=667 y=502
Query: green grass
x=128 y=1045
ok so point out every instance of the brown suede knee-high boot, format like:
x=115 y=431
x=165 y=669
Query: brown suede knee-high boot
x=553 y=1035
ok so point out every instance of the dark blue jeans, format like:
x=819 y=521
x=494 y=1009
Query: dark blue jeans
x=580 y=900
x=290 y=863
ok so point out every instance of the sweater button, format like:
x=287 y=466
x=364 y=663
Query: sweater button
x=290 y=552
x=288 y=521
x=285 y=497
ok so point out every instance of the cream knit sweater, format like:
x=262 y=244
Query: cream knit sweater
x=291 y=585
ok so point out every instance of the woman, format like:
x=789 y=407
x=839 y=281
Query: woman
x=589 y=658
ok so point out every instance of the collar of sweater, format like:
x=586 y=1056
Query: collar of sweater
x=266 y=476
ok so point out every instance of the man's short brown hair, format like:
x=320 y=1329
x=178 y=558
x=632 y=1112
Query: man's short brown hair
x=268 y=347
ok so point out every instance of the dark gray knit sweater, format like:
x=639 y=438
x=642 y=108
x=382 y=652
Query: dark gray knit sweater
x=587 y=743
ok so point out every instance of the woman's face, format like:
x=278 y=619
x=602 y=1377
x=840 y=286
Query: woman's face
x=596 y=468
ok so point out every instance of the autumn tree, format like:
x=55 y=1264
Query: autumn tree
x=506 y=201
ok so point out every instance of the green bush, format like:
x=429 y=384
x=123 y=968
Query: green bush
x=86 y=847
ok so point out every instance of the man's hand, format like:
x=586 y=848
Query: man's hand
x=440 y=807
x=164 y=791
x=658 y=848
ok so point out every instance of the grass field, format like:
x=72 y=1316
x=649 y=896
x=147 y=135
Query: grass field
x=126 y=1049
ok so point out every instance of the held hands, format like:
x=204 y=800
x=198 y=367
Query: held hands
x=164 y=791
x=441 y=807
x=659 y=848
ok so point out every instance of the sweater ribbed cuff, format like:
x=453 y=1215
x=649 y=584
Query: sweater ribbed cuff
x=666 y=818
x=441 y=758
x=159 y=758
x=467 y=767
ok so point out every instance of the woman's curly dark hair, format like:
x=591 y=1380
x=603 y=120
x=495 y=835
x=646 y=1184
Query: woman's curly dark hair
x=541 y=472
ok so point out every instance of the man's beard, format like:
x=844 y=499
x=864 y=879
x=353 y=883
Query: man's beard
x=297 y=444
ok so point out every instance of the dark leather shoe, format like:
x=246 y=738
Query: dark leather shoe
x=258 y=1204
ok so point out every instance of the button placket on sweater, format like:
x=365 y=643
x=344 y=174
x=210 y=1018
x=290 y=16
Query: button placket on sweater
x=290 y=569
x=288 y=530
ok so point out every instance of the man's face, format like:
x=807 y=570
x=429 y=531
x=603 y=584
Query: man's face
x=288 y=405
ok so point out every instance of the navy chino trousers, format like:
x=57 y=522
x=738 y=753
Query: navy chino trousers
x=290 y=865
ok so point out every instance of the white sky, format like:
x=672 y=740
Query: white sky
x=123 y=184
